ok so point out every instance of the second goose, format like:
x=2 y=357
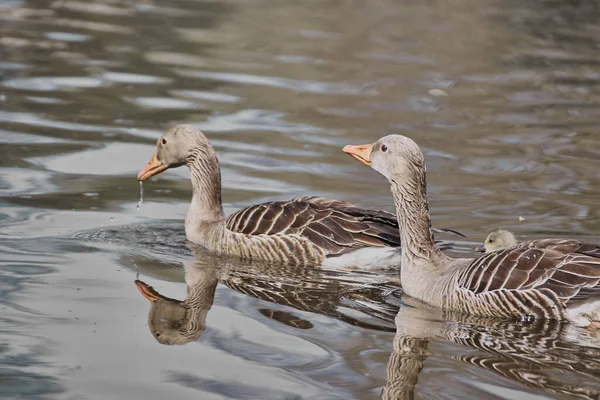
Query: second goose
x=547 y=278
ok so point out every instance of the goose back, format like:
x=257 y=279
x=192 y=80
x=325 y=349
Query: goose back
x=333 y=225
x=532 y=278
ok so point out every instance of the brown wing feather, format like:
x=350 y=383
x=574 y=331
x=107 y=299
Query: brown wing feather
x=569 y=268
x=564 y=246
x=333 y=225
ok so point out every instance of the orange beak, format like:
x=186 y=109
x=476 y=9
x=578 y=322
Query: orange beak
x=154 y=167
x=361 y=153
x=147 y=291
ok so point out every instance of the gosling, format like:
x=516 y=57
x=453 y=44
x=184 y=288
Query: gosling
x=497 y=240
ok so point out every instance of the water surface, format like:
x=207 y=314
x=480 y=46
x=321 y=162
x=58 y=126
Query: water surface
x=501 y=95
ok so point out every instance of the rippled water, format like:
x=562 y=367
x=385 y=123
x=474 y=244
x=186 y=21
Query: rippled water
x=502 y=96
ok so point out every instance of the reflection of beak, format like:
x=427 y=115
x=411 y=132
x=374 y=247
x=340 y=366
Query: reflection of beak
x=480 y=249
x=147 y=291
x=361 y=153
x=154 y=167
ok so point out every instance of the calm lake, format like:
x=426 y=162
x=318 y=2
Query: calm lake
x=503 y=97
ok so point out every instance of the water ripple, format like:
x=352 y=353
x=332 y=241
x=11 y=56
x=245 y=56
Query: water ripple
x=290 y=84
x=256 y=120
x=47 y=84
x=500 y=95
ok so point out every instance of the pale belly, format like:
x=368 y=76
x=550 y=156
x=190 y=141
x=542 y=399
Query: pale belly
x=368 y=258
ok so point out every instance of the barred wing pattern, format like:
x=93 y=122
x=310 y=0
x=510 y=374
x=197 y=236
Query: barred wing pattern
x=534 y=277
x=336 y=226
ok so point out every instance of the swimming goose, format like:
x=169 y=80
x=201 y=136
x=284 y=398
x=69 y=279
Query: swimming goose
x=548 y=278
x=497 y=240
x=306 y=231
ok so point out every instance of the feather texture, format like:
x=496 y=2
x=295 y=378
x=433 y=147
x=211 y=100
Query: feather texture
x=568 y=268
x=335 y=226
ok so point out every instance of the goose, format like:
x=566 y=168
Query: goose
x=305 y=231
x=546 y=278
x=497 y=240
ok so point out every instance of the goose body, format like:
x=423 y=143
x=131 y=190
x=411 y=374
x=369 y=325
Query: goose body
x=548 y=278
x=304 y=231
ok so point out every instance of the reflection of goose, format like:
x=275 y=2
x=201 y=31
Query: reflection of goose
x=302 y=231
x=549 y=278
x=533 y=354
x=405 y=364
x=497 y=240
x=174 y=321
x=178 y=322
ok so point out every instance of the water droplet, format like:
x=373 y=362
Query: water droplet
x=141 y=196
x=137 y=270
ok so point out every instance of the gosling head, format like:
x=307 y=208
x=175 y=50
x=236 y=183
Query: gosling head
x=499 y=239
x=392 y=155
x=175 y=148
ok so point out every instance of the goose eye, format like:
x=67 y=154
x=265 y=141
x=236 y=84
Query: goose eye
x=164 y=140
x=383 y=148
x=491 y=241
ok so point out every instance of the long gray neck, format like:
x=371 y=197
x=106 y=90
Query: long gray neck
x=410 y=197
x=206 y=206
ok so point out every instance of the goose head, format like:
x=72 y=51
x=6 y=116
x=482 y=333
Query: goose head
x=497 y=240
x=178 y=146
x=392 y=156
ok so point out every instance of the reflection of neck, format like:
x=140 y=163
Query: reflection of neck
x=201 y=283
x=206 y=203
x=406 y=362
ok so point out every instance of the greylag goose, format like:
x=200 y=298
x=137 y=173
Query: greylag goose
x=548 y=278
x=497 y=240
x=306 y=231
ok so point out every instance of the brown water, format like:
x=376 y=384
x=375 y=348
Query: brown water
x=502 y=96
